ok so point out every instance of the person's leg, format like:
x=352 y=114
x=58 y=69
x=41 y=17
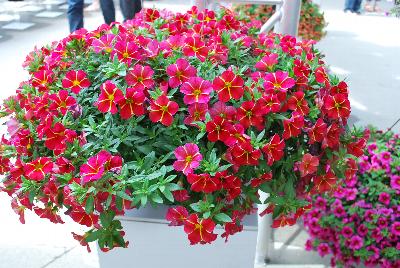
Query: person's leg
x=357 y=6
x=75 y=15
x=129 y=8
x=348 y=5
x=108 y=10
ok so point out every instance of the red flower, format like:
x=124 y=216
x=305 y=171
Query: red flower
x=196 y=90
x=140 y=77
x=126 y=52
x=203 y=183
x=195 y=47
x=222 y=110
x=308 y=165
x=236 y=135
x=104 y=43
x=82 y=240
x=75 y=80
x=132 y=104
x=180 y=72
x=324 y=183
x=267 y=62
x=180 y=195
x=283 y=221
x=64 y=165
x=292 y=127
x=188 y=158
x=233 y=186
x=110 y=95
x=162 y=110
x=244 y=154
x=4 y=165
x=321 y=76
x=297 y=103
x=351 y=169
x=278 y=83
x=337 y=106
x=318 y=132
x=197 y=112
x=94 y=169
x=177 y=215
x=57 y=137
x=19 y=210
x=332 y=138
x=81 y=217
x=151 y=14
x=48 y=213
x=62 y=102
x=250 y=114
x=42 y=79
x=274 y=149
x=357 y=148
x=256 y=182
x=340 y=88
x=37 y=169
x=271 y=104
x=229 y=86
x=199 y=231
x=218 y=129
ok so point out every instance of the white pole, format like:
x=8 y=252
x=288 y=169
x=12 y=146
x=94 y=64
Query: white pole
x=289 y=23
x=264 y=235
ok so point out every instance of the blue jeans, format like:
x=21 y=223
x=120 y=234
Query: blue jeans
x=75 y=14
x=128 y=8
x=353 y=5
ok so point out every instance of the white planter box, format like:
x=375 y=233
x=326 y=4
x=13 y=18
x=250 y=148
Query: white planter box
x=154 y=244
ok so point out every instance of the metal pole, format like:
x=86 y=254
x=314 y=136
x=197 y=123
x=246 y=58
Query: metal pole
x=289 y=23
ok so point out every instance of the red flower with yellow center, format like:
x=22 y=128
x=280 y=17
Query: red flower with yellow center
x=37 y=169
x=271 y=104
x=218 y=129
x=110 y=95
x=57 y=137
x=62 y=102
x=337 y=106
x=278 y=83
x=297 y=103
x=199 y=231
x=292 y=127
x=274 y=149
x=197 y=112
x=203 y=183
x=42 y=79
x=140 y=77
x=75 y=80
x=195 y=47
x=177 y=215
x=318 y=132
x=228 y=86
x=126 y=52
x=180 y=72
x=162 y=110
x=324 y=183
x=244 y=154
x=132 y=104
x=309 y=164
x=196 y=90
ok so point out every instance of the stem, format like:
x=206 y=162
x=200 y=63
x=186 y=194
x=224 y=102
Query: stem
x=395 y=123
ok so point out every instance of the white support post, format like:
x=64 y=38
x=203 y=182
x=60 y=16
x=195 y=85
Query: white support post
x=264 y=235
x=289 y=23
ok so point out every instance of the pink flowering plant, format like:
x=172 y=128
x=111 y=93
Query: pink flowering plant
x=194 y=111
x=360 y=221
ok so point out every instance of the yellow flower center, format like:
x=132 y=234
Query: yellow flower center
x=76 y=83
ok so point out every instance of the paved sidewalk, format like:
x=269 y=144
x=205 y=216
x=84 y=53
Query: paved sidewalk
x=362 y=49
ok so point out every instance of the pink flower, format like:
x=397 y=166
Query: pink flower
x=95 y=167
x=188 y=158
x=347 y=232
x=356 y=242
x=323 y=249
x=384 y=198
x=197 y=112
x=308 y=165
x=395 y=182
x=140 y=77
x=196 y=90
x=267 y=62
x=395 y=228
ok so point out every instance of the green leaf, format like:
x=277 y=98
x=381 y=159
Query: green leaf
x=143 y=200
x=106 y=218
x=156 y=198
x=167 y=193
x=222 y=217
x=196 y=207
x=89 y=206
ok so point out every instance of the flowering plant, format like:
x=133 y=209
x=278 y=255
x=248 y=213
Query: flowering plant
x=190 y=110
x=360 y=221
x=311 y=24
